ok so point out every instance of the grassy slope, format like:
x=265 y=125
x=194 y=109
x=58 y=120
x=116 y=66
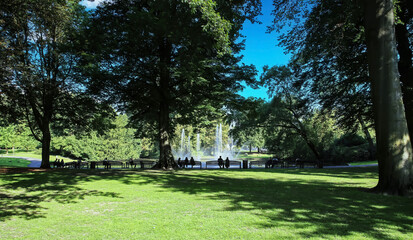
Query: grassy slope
x=363 y=163
x=208 y=204
x=13 y=162
x=34 y=154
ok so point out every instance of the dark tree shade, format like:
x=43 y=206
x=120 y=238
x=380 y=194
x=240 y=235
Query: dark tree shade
x=159 y=61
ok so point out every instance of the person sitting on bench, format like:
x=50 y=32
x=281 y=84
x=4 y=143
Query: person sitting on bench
x=131 y=163
x=227 y=162
x=220 y=162
x=192 y=162
x=106 y=163
x=186 y=162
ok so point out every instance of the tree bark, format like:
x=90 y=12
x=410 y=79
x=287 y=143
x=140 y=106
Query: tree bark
x=166 y=158
x=405 y=67
x=46 y=146
x=394 y=149
x=313 y=148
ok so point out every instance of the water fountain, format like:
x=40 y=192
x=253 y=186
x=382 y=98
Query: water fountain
x=225 y=149
x=198 y=148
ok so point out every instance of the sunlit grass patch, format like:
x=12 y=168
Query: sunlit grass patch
x=201 y=204
x=13 y=162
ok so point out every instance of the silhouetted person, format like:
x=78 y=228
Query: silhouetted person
x=270 y=163
x=106 y=163
x=56 y=163
x=192 y=162
x=131 y=163
x=227 y=162
x=220 y=162
x=62 y=163
x=186 y=162
x=179 y=162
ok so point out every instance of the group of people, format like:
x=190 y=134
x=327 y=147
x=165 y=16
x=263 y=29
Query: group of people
x=186 y=162
x=272 y=162
x=222 y=163
x=58 y=163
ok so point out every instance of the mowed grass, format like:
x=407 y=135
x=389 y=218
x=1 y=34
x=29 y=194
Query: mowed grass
x=201 y=204
x=363 y=163
x=33 y=154
x=13 y=162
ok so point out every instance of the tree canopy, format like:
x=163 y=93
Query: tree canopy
x=159 y=61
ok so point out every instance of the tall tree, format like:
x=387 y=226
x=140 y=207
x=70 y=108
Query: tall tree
x=404 y=11
x=328 y=16
x=290 y=107
x=393 y=142
x=165 y=59
x=36 y=35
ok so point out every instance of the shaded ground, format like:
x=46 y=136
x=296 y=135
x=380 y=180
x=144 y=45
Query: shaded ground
x=247 y=204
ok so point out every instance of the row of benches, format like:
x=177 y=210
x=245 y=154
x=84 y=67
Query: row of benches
x=110 y=164
x=272 y=163
x=283 y=163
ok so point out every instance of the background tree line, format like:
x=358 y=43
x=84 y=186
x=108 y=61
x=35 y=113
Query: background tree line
x=170 y=62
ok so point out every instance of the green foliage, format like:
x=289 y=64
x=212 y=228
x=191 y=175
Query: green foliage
x=118 y=143
x=38 y=39
x=17 y=136
x=8 y=136
x=331 y=68
x=167 y=62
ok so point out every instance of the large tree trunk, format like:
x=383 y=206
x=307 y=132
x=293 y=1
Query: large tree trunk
x=46 y=146
x=166 y=158
x=406 y=72
x=313 y=148
x=394 y=149
x=302 y=131
x=311 y=145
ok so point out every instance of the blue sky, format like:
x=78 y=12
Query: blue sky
x=260 y=47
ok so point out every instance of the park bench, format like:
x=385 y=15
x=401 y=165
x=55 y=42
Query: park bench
x=76 y=164
x=146 y=163
x=129 y=164
x=257 y=163
x=301 y=163
x=110 y=164
x=271 y=163
x=232 y=163
x=287 y=162
x=197 y=163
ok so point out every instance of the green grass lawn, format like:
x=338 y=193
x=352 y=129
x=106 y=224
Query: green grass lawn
x=201 y=204
x=33 y=154
x=13 y=162
x=363 y=163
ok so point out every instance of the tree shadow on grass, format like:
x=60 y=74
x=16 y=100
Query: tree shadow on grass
x=23 y=193
x=351 y=173
x=313 y=208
